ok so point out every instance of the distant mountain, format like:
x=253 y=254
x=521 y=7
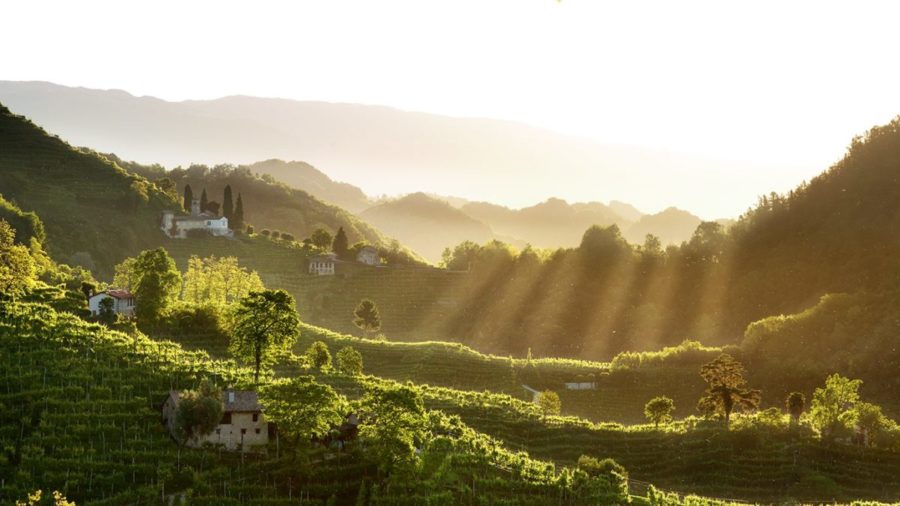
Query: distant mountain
x=672 y=226
x=304 y=176
x=426 y=224
x=626 y=210
x=379 y=149
x=550 y=224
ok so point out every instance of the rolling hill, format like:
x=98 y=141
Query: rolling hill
x=426 y=224
x=305 y=177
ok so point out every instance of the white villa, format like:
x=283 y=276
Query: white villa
x=368 y=255
x=243 y=426
x=123 y=302
x=179 y=226
x=322 y=265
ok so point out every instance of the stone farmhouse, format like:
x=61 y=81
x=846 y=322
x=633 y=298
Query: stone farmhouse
x=322 y=265
x=178 y=227
x=123 y=302
x=243 y=426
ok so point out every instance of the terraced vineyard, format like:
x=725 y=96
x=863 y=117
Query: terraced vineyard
x=747 y=465
x=79 y=414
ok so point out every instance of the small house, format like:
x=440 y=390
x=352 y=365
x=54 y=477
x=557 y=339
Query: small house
x=368 y=255
x=322 y=265
x=242 y=428
x=123 y=302
x=581 y=385
x=179 y=227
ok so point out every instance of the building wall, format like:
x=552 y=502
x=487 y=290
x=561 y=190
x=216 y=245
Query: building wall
x=122 y=306
x=368 y=257
x=321 y=268
x=228 y=435
x=241 y=434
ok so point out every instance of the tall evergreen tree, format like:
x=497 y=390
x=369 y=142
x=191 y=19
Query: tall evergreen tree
x=188 y=197
x=204 y=201
x=227 y=205
x=340 y=245
x=237 y=218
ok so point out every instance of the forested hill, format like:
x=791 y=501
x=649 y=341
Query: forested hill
x=839 y=233
x=267 y=203
x=94 y=211
x=315 y=182
x=426 y=224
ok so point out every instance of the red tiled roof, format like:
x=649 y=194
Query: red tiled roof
x=119 y=294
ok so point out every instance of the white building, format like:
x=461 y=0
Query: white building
x=179 y=226
x=322 y=265
x=123 y=302
x=243 y=426
x=368 y=255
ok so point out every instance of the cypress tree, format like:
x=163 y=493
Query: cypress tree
x=340 y=245
x=203 y=201
x=188 y=197
x=237 y=220
x=227 y=206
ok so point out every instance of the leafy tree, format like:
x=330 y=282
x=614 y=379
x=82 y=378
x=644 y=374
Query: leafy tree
x=795 y=404
x=199 y=411
x=125 y=274
x=549 y=403
x=204 y=201
x=88 y=288
x=107 y=313
x=726 y=388
x=366 y=317
x=595 y=467
x=188 y=198
x=261 y=324
x=302 y=408
x=227 y=204
x=832 y=407
x=155 y=281
x=340 y=245
x=349 y=361
x=870 y=420
x=318 y=355
x=321 y=238
x=659 y=410
x=237 y=220
x=17 y=267
x=218 y=281
x=393 y=424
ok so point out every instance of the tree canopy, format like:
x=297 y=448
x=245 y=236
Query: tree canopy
x=366 y=317
x=261 y=324
x=726 y=388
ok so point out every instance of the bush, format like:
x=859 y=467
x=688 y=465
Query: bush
x=605 y=467
x=287 y=237
x=266 y=232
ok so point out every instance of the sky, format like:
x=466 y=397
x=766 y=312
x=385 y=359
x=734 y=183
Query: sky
x=784 y=85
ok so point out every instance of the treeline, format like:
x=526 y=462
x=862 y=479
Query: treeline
x=834 y=234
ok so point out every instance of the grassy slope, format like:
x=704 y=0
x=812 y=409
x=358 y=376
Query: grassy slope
x=86 y=203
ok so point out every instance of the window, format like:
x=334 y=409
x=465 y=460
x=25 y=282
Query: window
x=218 y=431
x=226 y=418
x=257 y=431
x=243 y=431
x=255 y=417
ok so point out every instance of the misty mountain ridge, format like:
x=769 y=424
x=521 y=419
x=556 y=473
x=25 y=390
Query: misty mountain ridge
x=379 y=149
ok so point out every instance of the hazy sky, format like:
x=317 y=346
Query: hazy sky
x=782 y=84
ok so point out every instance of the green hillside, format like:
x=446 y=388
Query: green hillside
x=94 y=212
x=79 y=413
